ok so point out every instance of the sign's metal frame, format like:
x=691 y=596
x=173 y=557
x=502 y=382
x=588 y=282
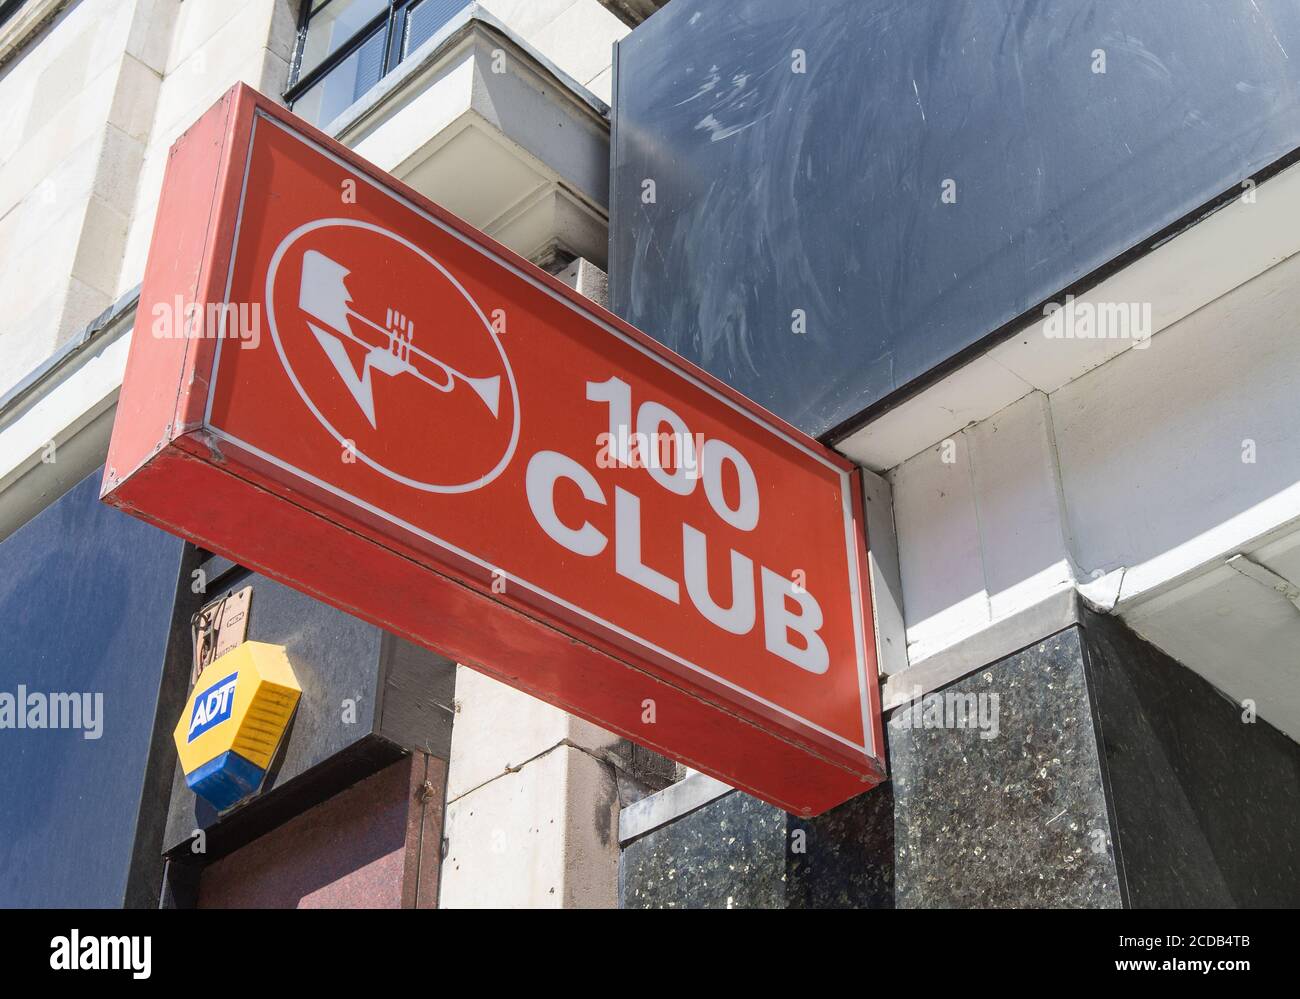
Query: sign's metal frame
x=171 y=466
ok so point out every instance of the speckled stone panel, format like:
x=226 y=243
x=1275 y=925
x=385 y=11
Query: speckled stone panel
x=737 y=852
x=1116 y=777
x=1016 y=820
x=1012 y=821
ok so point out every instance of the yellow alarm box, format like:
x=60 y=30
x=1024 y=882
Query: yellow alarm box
x=234 y=720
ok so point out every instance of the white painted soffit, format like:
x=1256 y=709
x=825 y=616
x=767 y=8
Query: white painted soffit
x=1239 y=630
x=1201 y=263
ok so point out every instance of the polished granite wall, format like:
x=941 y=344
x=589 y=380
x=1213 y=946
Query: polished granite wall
x=738 y=852
x=1116 y=777
x=1015 y=820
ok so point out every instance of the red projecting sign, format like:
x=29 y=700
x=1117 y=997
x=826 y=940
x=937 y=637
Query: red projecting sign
x=339 y=384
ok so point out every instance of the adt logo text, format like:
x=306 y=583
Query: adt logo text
x=212 y=707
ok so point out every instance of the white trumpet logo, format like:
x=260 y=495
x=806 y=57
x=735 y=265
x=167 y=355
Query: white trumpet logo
x=390 y=348
x=339 y=298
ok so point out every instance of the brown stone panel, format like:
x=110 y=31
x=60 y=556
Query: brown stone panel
x=375 y=844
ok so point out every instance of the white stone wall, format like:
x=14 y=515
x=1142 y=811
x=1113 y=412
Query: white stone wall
x=90 y=105
x=578 y=36
x=75 y=113
x=532 y=804
x=213 y=44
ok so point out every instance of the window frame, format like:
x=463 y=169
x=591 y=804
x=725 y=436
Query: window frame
x=391 y=20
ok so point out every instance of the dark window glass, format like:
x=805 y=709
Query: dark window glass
x=332 y=25
x=8 y=8
x=423 y=20
x=338 y=89
x=347 y=46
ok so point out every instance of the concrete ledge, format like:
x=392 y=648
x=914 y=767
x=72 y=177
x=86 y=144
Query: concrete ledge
x=486 y=126
x=434 y=50
x=31 y=18
x=658 y=809
x=632 y=12
x=68 y=401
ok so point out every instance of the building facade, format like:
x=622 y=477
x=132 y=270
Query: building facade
x=1031 y=268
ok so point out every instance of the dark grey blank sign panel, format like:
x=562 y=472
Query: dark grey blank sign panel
x=800 y=152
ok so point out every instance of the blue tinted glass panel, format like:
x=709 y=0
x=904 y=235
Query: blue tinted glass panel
x=332 y=26
x=344 y=84
x=425 y=18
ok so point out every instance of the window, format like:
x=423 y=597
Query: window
x=345 y=47
x=8 y=8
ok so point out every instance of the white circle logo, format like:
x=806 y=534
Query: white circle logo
x=392 y=356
